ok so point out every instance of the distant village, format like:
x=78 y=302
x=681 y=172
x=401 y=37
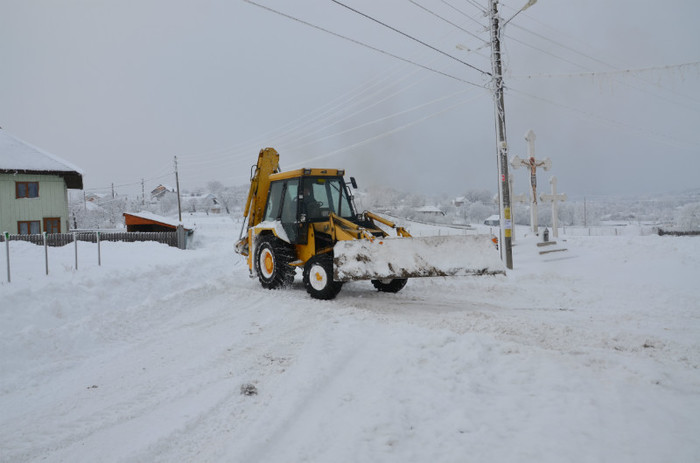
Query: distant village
x=40 y=192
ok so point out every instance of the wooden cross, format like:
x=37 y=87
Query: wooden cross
x=532 y=164
x=554 y=198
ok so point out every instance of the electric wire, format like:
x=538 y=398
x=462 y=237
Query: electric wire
x=366 y=107
x=316 y=124
x=315 y=116
x=667 y=67
x=367 y=45
x=473 y=19
x=646 y=133
x=387 y=133
x=561 y=44
x=620 y=72
x=124 y=185
x=410 y=37
x=448 y=21
x=478 y=6
x=383 y=118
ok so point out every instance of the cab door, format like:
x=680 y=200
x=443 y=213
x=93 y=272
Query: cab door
x=283 y=205
x=289 y=212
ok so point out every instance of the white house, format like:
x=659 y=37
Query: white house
x=34 y=188
x=162 y=190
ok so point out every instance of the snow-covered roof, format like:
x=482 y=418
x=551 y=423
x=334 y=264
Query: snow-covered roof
x=21 y=157
x=432 y=209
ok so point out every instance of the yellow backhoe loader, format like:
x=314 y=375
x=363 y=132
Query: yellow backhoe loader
x=306 y=219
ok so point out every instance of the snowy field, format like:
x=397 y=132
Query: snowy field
x=586 y=355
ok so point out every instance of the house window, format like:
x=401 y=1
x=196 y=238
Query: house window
x=27 y=189
x=29 y=227
x=52 y=225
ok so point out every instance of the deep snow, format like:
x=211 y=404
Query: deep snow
x=589 y=354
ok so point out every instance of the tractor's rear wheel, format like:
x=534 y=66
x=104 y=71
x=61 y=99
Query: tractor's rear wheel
x=390 y=286
x=272 y=258
x=318 y=277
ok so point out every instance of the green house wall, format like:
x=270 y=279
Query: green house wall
x=52 y=201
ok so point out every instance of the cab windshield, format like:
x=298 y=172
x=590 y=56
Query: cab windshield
x=323 y=195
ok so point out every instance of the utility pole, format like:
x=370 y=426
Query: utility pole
x=502 y=145
x=177 y=184
x=143 y=193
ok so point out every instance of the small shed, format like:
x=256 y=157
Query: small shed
x=148 y=222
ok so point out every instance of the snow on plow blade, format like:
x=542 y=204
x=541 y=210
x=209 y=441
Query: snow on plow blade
x=433 y=256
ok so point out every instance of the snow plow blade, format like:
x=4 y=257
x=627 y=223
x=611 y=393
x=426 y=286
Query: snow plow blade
x=434 y=256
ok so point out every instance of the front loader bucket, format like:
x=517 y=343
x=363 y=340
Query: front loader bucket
x=389 y=258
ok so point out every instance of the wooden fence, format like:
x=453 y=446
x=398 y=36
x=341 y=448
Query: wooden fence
x=61 y=239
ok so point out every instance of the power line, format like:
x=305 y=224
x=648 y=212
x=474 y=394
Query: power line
x=544 y=51
x=615 y=68
x=667 y=67
x=646 y=133
x=313 y=119
x=483 y=11
x=369 y=46
x=387 y=133
x=384 y=118
x=124 y=185
x=411 y=37
x=478 y=6
x=448 y=21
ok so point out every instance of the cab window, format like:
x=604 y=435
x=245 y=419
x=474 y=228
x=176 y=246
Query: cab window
x=272 y=210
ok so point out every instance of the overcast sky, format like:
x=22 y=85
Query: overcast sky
x=120 y=87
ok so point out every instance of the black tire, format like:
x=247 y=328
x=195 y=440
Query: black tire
x=390 y=286
x=318 y=277
x=271 y=260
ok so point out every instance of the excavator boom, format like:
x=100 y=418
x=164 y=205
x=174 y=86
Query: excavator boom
x=268 y=163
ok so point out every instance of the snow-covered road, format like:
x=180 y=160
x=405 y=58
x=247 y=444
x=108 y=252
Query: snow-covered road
x=589 y=355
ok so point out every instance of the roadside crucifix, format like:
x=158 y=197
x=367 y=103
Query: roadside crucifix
x=532 y=164
x=554 y=198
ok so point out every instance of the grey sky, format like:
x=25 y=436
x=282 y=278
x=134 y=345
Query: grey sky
x=120 y=87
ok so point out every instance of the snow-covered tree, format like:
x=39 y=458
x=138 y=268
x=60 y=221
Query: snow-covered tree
x=688 y=218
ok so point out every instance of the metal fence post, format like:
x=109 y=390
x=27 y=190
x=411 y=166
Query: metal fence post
x=99 y=254
x=46 y=254
x=75 y=240
x=7 y=248
x=181 y=239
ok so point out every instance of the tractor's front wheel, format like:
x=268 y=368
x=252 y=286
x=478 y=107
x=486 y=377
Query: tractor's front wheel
x=272 y=258
x=318 y=277
x=390 y=286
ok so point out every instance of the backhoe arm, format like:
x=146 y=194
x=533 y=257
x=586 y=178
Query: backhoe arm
x=268 y=164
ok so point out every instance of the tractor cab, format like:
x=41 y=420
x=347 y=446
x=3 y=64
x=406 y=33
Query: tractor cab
x=307 y=197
